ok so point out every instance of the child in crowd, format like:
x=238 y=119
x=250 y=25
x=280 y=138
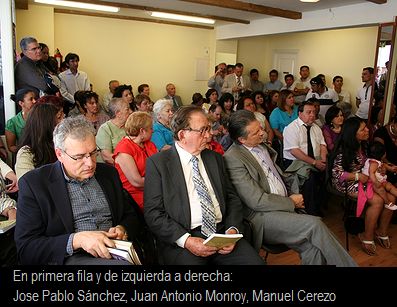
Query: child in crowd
x=375 y=169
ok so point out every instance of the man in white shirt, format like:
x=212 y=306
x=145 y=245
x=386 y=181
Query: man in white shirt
x=305 y=148
x=344 y=102
x=363 y=98
x=72 y=79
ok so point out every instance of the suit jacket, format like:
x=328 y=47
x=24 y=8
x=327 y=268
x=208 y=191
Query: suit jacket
x=230 y=82
x=45 y=217
x=178 y=99
x=166 y=202
x=253 y=188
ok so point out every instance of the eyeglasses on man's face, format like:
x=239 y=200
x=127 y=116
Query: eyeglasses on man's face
x=92 y=154
x=202 y=131
x=34 y=49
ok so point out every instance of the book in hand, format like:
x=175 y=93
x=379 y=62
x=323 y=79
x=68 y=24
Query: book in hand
x=221 y=240
x=124 y=250
x=7 y=225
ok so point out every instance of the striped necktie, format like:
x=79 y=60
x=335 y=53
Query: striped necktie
x=208 y=226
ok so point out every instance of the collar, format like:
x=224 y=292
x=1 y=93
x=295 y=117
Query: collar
x=184 y=156
x=72 y=180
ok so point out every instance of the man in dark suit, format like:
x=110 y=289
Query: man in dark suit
x=69 y=211
x=173 y=204
x=171 y=95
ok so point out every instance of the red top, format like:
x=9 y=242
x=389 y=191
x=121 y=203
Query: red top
x=215 y=146
x=139 y=155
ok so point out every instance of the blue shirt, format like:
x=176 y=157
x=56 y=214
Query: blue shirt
x=280 y=119
x=161 y=136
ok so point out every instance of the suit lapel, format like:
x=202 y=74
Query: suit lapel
x=177 y=178
x=58 y=191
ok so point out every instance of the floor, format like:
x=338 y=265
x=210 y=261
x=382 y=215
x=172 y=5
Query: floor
x=333 y=219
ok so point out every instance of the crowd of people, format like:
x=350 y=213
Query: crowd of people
x=245 y=151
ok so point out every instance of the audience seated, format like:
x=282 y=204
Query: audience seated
x=113 y=84
x=274 y=84
x=13 y=131
x=185 y=181
x=131 y=153
x=111 y=132
x=346 y=162
x=36 y=147
x=256 y=84
x=197 y=100
x=162 y=135
x=69 y=211
x=267 y=202
x=171 y=95
x=92 y=110
x=142 y=103
x=227 y=103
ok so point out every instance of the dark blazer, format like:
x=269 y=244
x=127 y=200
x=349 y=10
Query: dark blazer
x=45 y=218
x=178 y=99
x=166 y=202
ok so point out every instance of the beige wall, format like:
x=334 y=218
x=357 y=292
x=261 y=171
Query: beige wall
x=132 y=52
x=38 y=22
x=334 y=52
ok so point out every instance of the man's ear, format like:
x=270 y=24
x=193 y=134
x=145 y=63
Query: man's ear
x=241 y=140
x=181 y=135
x=58 y=153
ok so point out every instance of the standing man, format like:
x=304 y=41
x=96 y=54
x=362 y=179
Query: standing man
x=188 y=196
x=256 y=85
x=274 y=83
x=305 y=152
x=363 y=98
x=30 y=71
x=171 y=95
x=216 y=81
x=268 y=205
x=69 y=211
x=72 y=79
x=302 y=85
x=236 y=83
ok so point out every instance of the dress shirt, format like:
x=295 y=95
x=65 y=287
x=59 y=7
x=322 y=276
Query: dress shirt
x=194 y=201
x=71 y=83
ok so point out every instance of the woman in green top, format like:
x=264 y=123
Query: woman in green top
x=26 y=99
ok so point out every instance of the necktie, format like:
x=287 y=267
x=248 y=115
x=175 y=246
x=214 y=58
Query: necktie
x=208 y=226
x=175 y=104
x=310 y=152
x=239 y=81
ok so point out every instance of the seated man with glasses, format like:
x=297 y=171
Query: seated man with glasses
x=69 y=211
x=188 y=197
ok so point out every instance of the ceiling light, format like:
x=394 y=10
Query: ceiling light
x=182 y=17
x=80 y=5
x=310 y=0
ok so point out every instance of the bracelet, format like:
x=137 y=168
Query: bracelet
x=356 y=176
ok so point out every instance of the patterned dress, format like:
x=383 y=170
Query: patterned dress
x=337 y=173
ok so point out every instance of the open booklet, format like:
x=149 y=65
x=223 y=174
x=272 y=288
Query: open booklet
x=6 y=225
x=124 y=250
x=220 y=240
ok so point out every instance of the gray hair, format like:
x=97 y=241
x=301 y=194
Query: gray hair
x=26 y=41
x=159 y=105
x=78 y=128
x=115 y=105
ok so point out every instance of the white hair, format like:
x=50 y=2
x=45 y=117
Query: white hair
x=159 y=105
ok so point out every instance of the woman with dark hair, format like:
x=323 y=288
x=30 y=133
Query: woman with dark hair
x=197 y=99
x=92 y=111
x=346 y=161
x=333 y=125
x=36 y=147
x=125 y=91
x=49 y=61
x=259 y=99
x=272 y=102
x=58 y=102
x=227 y=103
x=25 y=98
x=387 y=135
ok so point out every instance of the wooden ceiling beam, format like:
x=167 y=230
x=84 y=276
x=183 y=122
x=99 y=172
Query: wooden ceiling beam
x=116 y=16
x=378 y=1
x=151 y=9
x=249 y=7
x=21 y=4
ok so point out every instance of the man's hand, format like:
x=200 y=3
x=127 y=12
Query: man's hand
x=120 y=231
x=94 y=242
x=298 y=200
x=196 y=247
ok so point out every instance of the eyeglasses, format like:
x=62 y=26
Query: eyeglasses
x=34 y=49
x=202 y=131
x=81 y=157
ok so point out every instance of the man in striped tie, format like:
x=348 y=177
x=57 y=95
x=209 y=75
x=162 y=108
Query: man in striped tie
x=188 y=196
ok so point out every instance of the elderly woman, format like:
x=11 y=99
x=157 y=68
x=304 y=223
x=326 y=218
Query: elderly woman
x=347 y=161
x=111 y=132
x=36 y=147
x=162 y=135
x=131 y=153
x=92 y=110
x=142 y=103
